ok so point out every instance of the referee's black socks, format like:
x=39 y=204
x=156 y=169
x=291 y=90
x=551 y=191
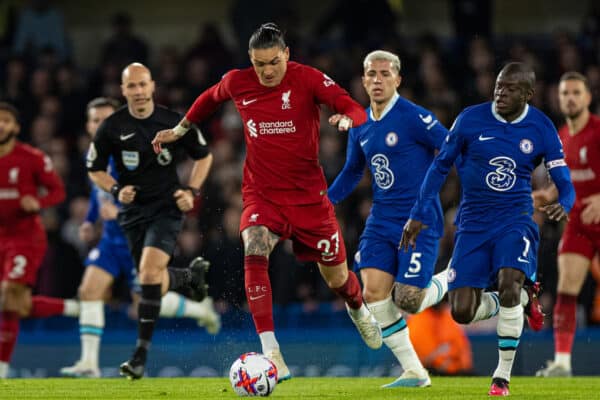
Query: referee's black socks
x=179 y=278
x=148 y=312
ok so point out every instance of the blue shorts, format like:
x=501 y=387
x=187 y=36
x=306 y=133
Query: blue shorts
x=414 y=267
x=114 y=259
x=477 y=257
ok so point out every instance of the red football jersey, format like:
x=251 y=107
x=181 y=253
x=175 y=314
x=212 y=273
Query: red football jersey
x=281 y=126
x=26 y=171
x=582 y=154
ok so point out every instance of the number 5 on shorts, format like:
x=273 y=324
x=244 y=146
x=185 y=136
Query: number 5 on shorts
x=414 y=267
x=415 y=263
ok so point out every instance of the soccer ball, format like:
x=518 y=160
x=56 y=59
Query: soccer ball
x=253 y=374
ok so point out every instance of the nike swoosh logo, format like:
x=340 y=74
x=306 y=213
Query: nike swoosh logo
x=426 y=119
x=125 y=137
x=363 y=142
x=407 y=275
x=257 y=297
x=246 y=102
x=520 y=259
x=484 y=138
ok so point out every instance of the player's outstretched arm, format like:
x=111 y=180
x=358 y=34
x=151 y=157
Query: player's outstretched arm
x=170 y=135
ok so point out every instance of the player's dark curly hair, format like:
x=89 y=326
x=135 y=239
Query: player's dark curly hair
x=266 y=36
x=4 y=106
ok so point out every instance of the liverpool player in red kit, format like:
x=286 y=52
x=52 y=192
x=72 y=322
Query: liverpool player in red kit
x=284 y=189
x=581 y=238
x=24 y=171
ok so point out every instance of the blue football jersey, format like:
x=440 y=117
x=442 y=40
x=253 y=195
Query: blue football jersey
x=111 y=230
x=398 y=149
x=498 y=158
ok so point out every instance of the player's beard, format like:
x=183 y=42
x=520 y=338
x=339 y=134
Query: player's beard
x=574 y=114
x=8 y=138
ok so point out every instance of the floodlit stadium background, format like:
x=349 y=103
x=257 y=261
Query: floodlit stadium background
x=451 y=52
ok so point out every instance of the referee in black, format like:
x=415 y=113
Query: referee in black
x=153 y=199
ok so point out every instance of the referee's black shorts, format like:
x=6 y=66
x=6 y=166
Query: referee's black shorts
x=151 y=225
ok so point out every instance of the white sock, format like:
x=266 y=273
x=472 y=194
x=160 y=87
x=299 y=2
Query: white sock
x=173 y=305
x=524 y=297
x=268 y=341
x=359 y=313
x=91 y=327
x=489 y=306
x=436 y=290
x=510 y=326
x=72 y=308
x=395 y=333
x=3 y=370
x=563 y=359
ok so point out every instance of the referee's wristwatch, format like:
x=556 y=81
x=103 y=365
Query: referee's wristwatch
x=114 y=190
x=195 y=192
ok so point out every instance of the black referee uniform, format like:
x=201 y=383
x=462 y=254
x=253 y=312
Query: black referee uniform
x=153 y=218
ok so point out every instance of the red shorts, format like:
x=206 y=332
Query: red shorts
x=579 y=238
x=20 y=261
x=313 y=228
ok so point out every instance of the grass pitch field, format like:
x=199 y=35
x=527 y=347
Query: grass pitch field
x=297 y=388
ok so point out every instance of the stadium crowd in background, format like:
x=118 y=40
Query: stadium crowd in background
x=444 y=74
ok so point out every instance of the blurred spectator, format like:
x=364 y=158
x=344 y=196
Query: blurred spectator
x=123 y=47
x=40 y=28
x=472 y=18
x=362 y=23
x=211 y=47
x=13 y=86
x=8 y=17
x=247 y=15
x=70 y=92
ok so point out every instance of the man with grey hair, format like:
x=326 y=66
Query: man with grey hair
x=399 y=136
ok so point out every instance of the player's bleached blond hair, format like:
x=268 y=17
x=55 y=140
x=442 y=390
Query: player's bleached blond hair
x=383 y=55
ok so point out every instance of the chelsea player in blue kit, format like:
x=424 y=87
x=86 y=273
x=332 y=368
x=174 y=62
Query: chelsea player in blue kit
x=397 y=143
x=496 y=243
x=111 y=259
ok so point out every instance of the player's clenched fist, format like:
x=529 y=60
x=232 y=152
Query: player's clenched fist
x=184 y=200
x=30 y=204
x=127 y=194
x=342 y=122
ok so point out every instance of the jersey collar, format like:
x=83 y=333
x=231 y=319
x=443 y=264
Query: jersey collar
x=516 y=120
x=387 y=108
